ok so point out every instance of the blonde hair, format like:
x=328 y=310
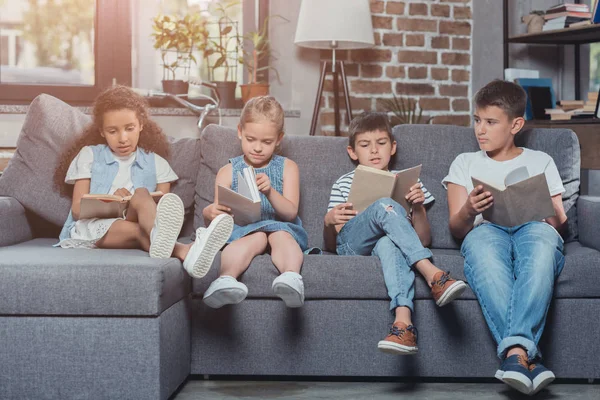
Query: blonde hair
x=263 y=108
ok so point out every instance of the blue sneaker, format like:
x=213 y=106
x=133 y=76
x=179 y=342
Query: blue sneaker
x=514 y=371
x=540 y=377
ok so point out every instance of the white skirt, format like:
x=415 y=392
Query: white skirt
x=86 y=232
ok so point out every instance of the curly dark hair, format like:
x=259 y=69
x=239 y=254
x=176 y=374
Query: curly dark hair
x=152 y=139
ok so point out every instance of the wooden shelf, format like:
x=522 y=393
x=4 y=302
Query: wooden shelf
x=578 y=35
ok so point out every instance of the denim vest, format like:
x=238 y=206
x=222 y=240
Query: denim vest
x=104 y=171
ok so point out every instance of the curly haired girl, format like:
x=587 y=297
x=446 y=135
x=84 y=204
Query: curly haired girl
x=122 y=152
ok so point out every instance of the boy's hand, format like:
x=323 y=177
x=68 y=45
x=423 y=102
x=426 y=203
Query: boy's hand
x=340 y=214
x=211 y=211
x=264 y=184
x=478 y=201
x=415 y=195
x=122 y=192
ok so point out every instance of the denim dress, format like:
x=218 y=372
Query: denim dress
x=269 y=220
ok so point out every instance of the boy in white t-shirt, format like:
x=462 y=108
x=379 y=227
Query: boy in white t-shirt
x=511 y=269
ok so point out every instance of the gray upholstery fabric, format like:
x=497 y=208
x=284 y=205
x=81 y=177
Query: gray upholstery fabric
x=94 y=358
x=324 y=159
x=14 y=226
x=356 y=277
x=37 y=279
x=588 y=209
x=422 y=144
x=339 y=338
x=50 y=126
x=185 y=161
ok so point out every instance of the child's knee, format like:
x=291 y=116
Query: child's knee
x=390 y=207
x=139 y=195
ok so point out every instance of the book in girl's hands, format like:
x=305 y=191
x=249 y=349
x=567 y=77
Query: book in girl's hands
x=371 y=184
x=520 y=200
x=245 y=203
x=107 y=205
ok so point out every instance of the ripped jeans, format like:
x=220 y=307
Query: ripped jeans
x=383 y=230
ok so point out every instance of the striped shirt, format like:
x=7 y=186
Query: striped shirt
x=341 y=189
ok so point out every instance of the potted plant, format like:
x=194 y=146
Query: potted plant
x=260 y=50
x=221 y=50
x=405 y=111
x=176 y=38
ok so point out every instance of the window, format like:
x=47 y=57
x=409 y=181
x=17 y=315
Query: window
x=71 y=49
x=147 y=68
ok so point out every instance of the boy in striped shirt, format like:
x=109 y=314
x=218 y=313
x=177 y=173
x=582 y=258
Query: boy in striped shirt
x=385 y=230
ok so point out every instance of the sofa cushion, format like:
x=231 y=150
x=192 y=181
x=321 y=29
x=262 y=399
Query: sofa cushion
x=436 y=146
x=50 y=126
x=37 y=279
x=359 y=277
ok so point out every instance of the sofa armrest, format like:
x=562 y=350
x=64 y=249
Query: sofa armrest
x=14 y=226
x=588 y=219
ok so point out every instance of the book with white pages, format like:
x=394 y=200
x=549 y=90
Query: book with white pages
x=521 y=199
x=245 y=203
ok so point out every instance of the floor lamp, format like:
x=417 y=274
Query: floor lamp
x=334 y=25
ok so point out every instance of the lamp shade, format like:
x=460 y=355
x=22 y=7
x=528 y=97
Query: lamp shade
x=343 y=24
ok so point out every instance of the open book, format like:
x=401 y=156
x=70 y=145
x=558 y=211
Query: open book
x=371 y=184
x=106 y=205
x=245 y=203
x=522 y=199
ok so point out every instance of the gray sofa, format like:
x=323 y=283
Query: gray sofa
x=117 y=324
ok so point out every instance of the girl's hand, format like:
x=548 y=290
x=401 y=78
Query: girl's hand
x=340 y=214
x=122 y=192
x=211 y=211
x=415 y=195
x=478 y=201
x=264 y=184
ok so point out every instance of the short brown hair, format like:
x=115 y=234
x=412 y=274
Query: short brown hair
x=263 y=108
x=508 y=96
x=369 y=122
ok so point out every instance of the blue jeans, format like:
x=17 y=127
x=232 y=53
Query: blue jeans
x=384 y=231
x=512 y=272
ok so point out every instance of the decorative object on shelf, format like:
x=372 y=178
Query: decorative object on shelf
x=534 y=21
x=222 y=51
x=177 y=37
x=405 y=111
x=257 y=61
x=334 y=25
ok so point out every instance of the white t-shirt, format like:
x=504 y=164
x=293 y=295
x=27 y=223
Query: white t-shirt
x=81 y=168
x=479 y=165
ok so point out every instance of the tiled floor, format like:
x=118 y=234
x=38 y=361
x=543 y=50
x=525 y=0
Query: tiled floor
x=304 y=390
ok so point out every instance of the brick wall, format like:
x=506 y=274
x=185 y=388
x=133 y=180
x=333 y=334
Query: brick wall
x=422 y=51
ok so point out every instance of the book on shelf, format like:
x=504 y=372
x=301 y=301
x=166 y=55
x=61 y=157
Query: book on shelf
x=510 y=74
x=580 y=24
x=577 y=7
x=371 y=184
x=107 y=205
x=245 y=203
x=568 y=16
x=521 y=199
x=596 y=13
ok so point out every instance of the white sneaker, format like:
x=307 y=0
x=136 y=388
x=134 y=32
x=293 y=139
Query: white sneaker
x=289 y=288
x=167 y=225
x=225 y=290
x=208 y=243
